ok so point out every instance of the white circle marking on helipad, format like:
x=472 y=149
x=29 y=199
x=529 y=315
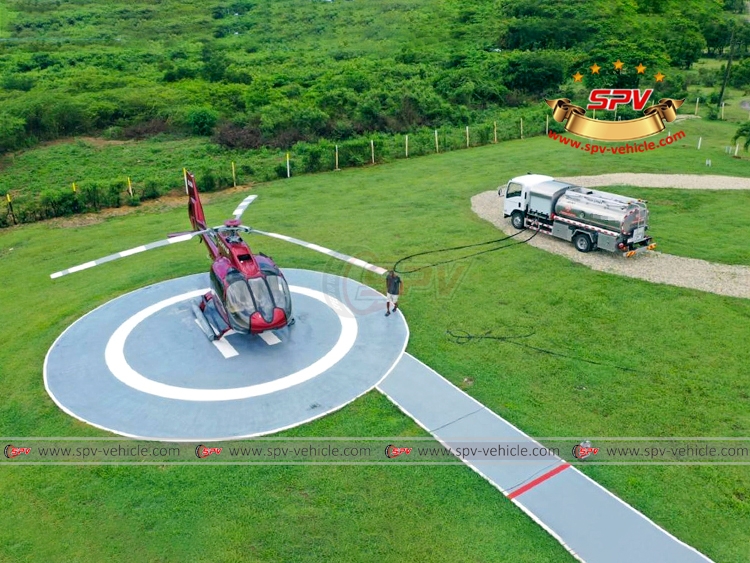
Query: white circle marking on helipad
x=114 y=355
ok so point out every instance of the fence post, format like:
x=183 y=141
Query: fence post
x=467 y=136
x=699 y=142
x=406 y=145
x=10 y=208
x=234 y=175
x=288 y=167
x=546 y=127
x=736 y=149
x=494 y=123
x=336 y=167
x=698 y=99
x=437 y=143
x=372 y=150
x=522 y=127
x=722 y=109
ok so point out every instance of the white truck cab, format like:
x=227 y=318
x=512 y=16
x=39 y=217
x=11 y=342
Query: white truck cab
x=517 y=194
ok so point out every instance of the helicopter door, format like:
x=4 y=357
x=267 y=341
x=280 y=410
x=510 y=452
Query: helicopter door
x=280 y=292
x=263 y=299
x=240 y=303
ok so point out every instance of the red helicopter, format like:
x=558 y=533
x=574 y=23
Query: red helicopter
x=249 y=293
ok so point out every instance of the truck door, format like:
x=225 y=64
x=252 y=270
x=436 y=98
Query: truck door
x=513 y=198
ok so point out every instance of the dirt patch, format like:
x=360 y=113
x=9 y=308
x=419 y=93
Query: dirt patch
x=164 y=203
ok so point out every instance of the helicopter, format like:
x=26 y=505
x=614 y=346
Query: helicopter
x=249 y=293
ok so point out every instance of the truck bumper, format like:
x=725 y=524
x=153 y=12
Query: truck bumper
x=630 y=253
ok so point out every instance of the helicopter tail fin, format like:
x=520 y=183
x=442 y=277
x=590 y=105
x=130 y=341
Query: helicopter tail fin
x=195 y=209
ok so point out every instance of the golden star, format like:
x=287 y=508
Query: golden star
x=618 y=64
x=577 y=76
x=659 y=77
x=595 y=68
x=640 y=68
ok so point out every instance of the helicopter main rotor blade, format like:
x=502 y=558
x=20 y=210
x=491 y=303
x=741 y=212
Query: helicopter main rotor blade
x=350 y=259
x=129 y=252
x=243 y=205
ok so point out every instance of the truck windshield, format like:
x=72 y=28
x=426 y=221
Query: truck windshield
x=514 y=190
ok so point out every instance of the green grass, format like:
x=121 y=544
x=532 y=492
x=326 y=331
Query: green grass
x=689 y=350
x=294 y=513
x=711 y=225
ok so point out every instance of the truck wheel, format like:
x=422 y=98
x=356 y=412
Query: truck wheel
x=516 y=219
x=582 y=242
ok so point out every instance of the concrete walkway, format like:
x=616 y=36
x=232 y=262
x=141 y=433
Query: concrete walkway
x=592 y=523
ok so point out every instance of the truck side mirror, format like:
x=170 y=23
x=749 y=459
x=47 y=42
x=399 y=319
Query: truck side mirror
x=501 y=190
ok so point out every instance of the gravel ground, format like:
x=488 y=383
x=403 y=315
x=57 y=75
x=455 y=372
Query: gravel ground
x=651 y=266
x=681 y=181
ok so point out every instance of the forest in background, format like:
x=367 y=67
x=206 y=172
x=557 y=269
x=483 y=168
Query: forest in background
x=257 y=76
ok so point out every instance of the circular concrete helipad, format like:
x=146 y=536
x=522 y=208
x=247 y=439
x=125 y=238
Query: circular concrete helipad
x=140 y=365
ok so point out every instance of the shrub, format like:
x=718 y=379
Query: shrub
x=202 y=120
x=91 y=196
x=280 y=170
x=207 y=181
x=11 y=132
x=238 y=137
x=113 y=195
x=146 y=129
x=150 y=190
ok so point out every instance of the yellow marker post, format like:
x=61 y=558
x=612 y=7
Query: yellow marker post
x=75 y=189
x=7 y=196
x=130 y=187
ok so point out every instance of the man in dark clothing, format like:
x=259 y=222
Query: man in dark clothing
x=393 y=287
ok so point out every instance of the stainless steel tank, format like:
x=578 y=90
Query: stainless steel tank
x=602 y=209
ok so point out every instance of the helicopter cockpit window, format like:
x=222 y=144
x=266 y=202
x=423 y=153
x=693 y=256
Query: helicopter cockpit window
x=240 y=303
x=280 y=292
x=262 y=298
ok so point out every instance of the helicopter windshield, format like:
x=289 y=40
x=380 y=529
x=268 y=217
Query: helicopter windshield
x=263 y=299
x=240 y=303
x=280 y=292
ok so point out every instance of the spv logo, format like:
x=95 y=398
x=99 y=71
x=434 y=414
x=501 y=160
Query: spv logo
x=202 y=452
x=12 y=451
x=609 y=99
x=392 y=451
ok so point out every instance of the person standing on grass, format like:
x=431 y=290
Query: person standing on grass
x=393 y=288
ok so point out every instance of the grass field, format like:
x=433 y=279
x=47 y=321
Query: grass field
x=688 y=349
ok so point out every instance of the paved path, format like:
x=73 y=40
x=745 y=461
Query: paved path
x=592 y=523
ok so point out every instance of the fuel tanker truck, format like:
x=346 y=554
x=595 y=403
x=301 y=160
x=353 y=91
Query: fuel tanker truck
x=590 y=219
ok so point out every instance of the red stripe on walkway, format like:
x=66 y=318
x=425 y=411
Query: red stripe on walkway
x=541 y=479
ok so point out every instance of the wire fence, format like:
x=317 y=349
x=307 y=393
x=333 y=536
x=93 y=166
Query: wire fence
x=264 y=165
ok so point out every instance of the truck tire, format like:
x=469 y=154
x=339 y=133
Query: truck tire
x=516 y=219
x=582 y=242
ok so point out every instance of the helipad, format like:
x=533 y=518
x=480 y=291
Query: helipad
x=139 y=365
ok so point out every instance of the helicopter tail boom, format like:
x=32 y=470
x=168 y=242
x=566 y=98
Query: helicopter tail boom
x=195 y=208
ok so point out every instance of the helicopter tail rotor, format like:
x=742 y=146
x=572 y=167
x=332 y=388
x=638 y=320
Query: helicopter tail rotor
x=338 y=255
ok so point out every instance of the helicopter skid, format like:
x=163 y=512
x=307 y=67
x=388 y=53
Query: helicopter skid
x=209 y=319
